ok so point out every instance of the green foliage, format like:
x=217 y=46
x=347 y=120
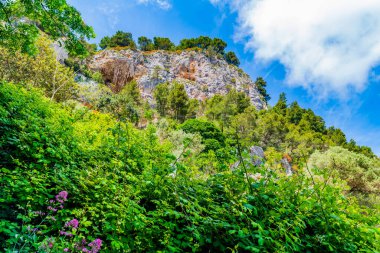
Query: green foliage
x=360 y=171
x=261 y=85
x=43 y=71
x=145 y=44
x=119 y=39
x=127 y=188
x=163 y=43
x=178 y=101
x=212 y=137
x=281 y=104
x=105 y=42
x=161 y=95
x=223 y=108
x=22 y=23
x=352 y=146
x=231 y=58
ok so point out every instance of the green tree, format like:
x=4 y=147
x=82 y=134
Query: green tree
x=105 y=42
x=336 y=136
x=212 y=137
x=358 y=170
x=231 y=58
x=281 y=104
x=161 y=95
x=218 y=45
x=132 y=90
x=294 y=113
x=145 y=44
x=203 y=42
x=163 y=43
x=178 y=101
x=193 y=109
x=42 y=71
x=353 y=146
x=261 y=85
x=22 y=22
x=122 y=39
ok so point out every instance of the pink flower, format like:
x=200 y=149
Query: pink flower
x=65 y=233
x=66 y=250
x=52 y=209
x=74 y=223
x=95 y=245
x=61 y=197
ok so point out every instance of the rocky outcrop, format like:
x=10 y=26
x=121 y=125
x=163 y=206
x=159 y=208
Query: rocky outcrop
x=202 y=76
x=257 y=155
x=286 y=163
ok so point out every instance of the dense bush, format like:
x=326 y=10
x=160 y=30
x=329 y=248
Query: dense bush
x=125 y=188
x=43 y=71
x=213 y=138
x=361 y=172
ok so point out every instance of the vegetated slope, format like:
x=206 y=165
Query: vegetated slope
x=203 y=75
x=123 y=186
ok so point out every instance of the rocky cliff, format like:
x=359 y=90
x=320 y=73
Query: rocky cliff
x=202 y=76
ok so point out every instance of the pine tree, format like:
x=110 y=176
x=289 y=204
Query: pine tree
x=261 y=85
x=161 y=95
x=179 y=101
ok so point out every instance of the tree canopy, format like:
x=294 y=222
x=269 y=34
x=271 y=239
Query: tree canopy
x=23 y=21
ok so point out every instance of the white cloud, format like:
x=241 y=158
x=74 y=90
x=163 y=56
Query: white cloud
x=163 y=4
x=325 y=45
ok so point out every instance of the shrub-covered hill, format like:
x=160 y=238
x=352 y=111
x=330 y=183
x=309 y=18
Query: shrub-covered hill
x=69 y=174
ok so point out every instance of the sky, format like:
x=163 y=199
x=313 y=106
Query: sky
x=324 y=54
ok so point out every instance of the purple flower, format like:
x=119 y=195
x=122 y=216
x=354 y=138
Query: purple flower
x=52 y=201
x=66 y=250
x=61 y=197
x=52 y=209
x=61 y=206
x=73 y=223
x=39 y=213
x=85 y=250
x=95 y=245
x=53 y=218
x=65 y=233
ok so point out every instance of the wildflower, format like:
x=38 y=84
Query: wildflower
x=66 y=250
x=52 y=209
x=65 y=233
x=50 y=245
x=61 y=206
x=61 y=197
x=95 y=245
x=39 y=213
x=73 y=223
x=52 y=201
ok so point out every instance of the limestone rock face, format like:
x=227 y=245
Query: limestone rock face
x=257 y=154
x=202 y=76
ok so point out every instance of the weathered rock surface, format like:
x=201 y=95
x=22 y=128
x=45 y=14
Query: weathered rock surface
x=202 y=76
x=257 y=155
x=286 y=164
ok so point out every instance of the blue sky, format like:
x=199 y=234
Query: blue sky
x=341 y=83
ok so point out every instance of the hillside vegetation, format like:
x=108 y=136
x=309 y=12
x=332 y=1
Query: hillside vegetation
x=84 y=169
